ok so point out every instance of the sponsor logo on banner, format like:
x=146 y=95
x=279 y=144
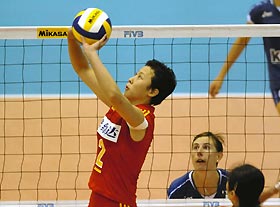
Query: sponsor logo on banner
x=51 y=33
x=132 y=34
x=211 y=204
x=109 y=130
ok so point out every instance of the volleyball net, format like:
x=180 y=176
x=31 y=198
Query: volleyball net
x=48 y=116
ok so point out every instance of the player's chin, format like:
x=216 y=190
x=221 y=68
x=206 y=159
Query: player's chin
x=200 y=166
x=127 y=94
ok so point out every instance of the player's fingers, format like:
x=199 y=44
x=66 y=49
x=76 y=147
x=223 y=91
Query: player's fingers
x=70 y=34
x=213 y=95
x=104 y=40
x=213 y=91
x=101 y=42
x=83 y=40
x=210 y=91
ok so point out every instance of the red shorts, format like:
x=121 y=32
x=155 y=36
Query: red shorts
x=97 y=200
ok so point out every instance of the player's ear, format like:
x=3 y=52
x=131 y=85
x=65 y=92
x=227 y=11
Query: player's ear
x=153 y=92
x=219 y=156
x=234 y=197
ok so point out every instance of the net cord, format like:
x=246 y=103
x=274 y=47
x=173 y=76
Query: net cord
x=149 y=31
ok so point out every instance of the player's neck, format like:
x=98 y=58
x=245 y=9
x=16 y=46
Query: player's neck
x=135 y=103
x=206 y=182
x=204 y=175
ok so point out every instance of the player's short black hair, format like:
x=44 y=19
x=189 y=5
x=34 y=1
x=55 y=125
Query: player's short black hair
x=248 y=182
x=164 y=80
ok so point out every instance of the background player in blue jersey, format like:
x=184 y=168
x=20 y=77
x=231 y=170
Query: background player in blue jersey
x=265 y=12
x=205 y=181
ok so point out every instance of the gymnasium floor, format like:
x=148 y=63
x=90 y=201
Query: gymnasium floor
x=47 y=152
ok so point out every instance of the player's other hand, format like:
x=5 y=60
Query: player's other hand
x=70 y=34
x=215 y=87
x=95 y=46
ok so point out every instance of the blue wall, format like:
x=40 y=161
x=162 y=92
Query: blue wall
x=144 y=12
x=126 y=12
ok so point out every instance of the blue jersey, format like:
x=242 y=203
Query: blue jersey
x=267 y=13
x=184 y=187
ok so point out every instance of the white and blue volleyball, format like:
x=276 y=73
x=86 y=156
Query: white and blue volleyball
x=92 y=24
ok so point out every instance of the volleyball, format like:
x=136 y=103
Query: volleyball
x=92 y=24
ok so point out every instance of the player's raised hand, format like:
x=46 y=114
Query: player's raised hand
x=95 y=46
x=215 y=87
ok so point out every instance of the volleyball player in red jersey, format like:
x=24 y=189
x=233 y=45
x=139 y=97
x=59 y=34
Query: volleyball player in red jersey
x=126 y=131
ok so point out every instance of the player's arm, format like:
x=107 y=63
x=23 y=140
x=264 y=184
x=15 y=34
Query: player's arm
x=82 y=68
x=270 y=192
x=133 y=115
x=235 y=51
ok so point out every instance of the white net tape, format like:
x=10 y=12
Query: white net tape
x=140 y=203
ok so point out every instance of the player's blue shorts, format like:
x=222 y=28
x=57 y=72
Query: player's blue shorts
x=276 y=95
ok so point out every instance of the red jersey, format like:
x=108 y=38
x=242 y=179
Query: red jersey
x=119 y=159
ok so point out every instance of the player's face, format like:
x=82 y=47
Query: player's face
x=231 y=196
x=204 y=154
x=137 y=89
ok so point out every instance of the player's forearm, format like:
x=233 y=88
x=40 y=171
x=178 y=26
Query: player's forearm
x=77 y=58
x=269 y=192
x=233 y=54
x=104 y=78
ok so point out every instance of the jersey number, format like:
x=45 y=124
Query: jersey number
x=99 y=163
